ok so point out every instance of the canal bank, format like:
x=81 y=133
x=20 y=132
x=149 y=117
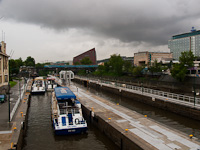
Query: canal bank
x=128 y=129
x=175 y=106
x=40 y=132
x=12 y=138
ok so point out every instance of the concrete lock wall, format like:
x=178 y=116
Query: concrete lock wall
x=23 y=129
x=112 y=131
x=183 y=110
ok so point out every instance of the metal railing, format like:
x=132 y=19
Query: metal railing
x=144 y=90
x=18 y=101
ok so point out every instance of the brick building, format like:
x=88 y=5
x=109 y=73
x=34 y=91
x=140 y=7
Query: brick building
x=146 y=58
x=90 y=53
x=4 y=69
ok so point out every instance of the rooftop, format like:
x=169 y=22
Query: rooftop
x=183 y=35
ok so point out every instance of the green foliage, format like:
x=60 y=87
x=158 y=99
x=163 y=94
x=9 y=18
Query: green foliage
x=82 y=72
x=76 y=63
x=43 y=73
x=86 y=61
x=19 y=62
x=179 y=72
x=12 y=83
x=116 y=64
x=137 y=71
x=155 y=67
x=127 y=66
x=39 y=65
x=187 y=59
x=13 y=67
x=29 y=61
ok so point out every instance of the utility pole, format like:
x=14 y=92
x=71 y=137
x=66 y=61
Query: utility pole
x=8 y=101
x=194 y=91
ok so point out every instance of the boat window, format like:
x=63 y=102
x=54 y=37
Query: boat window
x=76 y=111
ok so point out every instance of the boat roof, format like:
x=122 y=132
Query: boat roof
x=64 y=93
x=39 y=78
x=2 y=96
x=50 y=78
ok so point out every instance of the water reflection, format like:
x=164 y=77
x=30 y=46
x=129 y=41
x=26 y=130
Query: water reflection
x=40 y=134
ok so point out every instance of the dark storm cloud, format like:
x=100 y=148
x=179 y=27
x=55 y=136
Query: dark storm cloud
x=152 y=21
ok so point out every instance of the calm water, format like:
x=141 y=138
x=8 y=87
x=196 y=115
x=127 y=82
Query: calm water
x=169 y=119
x=40 y=135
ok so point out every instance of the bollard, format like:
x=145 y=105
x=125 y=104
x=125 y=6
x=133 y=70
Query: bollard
x=92 y=109
x=11 y=146
x=21 y=113
x=191 y=136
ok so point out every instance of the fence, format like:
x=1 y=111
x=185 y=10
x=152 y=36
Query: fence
x=22 y=89
x=143 y=90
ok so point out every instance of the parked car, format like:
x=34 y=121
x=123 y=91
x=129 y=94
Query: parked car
x=2 y=98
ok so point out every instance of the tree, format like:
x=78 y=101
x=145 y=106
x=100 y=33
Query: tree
x=13 y=67
x=138 y=70
x=77 y=63
x=179 y=72
x=127 y=66
x=186 y=61
x=156 y=67
x=19 y=62
x=116 y=64
x=29 y=61
x=86 y=61
x=39 y=65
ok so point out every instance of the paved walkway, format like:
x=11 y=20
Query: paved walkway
x=150 y=134
x=5 y=125
x=173 y=100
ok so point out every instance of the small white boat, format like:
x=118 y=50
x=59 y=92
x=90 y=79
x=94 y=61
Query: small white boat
x=67 y=114
x=51 y=83
x=38 y=85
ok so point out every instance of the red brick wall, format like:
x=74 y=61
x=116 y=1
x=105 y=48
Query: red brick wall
x=91 y=54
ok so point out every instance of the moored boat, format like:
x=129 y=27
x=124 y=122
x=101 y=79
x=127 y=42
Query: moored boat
x=38 y=85
x=50 y=83
x=67 y=114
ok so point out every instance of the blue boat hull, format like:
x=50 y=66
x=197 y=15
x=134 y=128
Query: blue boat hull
x=71 y=131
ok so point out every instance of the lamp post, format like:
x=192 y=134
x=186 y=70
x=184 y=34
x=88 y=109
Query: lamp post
x=194 y=90
x=8 y=101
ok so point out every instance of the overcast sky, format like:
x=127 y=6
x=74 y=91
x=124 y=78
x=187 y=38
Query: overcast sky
x=55 y=30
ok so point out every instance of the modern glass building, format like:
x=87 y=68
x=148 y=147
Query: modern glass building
x=185 y=42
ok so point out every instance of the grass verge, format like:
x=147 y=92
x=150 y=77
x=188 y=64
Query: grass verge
x=12 y=83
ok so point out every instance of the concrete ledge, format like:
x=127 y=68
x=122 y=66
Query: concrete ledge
x=180 y=109
x=20 y=121
x=128 y=129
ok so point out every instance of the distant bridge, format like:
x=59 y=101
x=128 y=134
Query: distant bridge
x=71 y=66
x=74 y=68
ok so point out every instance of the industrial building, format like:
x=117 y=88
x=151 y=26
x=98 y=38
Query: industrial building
x=185 y=42
x=4 y=69
x=90 y=53
x=146 y=58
